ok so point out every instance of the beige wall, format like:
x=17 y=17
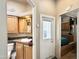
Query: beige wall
x=63 y=6
x=3 y=30
x=47 y=7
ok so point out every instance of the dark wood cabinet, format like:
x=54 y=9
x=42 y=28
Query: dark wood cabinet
x=65 y=26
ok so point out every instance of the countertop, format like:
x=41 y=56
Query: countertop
x=24 y=41
x=15 y=36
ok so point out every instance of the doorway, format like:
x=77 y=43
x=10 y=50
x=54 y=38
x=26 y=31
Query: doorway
x=20 y=29
x=69 y=35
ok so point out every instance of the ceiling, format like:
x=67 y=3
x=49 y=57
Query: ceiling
x=18 y=8
x=20 y=1
x=71 y=14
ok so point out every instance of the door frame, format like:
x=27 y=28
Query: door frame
x=59 y=32
x=35 y=29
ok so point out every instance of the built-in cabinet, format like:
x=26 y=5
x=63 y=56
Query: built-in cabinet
x=19 y=24
x=22 y=25
x=27 y=52
x=25 y=25
x=12 y=22
x=19 y=51
x=23 y=51
x=65 y=26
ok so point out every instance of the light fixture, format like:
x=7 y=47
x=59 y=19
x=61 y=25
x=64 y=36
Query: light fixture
x=11 y=10
x=68 y=8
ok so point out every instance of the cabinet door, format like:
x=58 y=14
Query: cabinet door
x=12 y=23
x=27 y=52
x=22 y=25
x=19 y=51
x=66 y=26
x=29 y=25
x=25 y=25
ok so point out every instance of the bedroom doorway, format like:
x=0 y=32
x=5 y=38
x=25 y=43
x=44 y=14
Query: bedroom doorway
x=69 y=35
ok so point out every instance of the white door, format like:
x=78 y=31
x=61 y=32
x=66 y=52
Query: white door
x=47 y=37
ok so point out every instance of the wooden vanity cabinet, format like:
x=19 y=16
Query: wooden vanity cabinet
x=23 y=51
